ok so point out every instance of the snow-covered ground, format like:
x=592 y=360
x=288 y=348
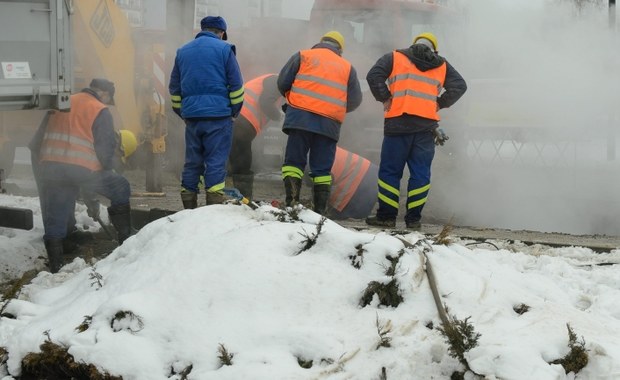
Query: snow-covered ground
x=232 y=277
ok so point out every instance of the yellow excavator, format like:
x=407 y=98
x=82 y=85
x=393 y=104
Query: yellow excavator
x=103 y=46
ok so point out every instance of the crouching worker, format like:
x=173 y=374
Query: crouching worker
x=354 y=186
x=77 y=150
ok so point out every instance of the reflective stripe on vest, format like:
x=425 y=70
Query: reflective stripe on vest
x=348 y=171
x=251 y=106
x=414 y=92
x=69 y=135
x=320 y=85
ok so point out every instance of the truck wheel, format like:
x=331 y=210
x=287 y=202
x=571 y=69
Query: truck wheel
x=7 y=157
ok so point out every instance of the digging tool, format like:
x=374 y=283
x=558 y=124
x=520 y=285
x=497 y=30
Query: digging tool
x=105 y=228
x=236 y=195
x=92 y=209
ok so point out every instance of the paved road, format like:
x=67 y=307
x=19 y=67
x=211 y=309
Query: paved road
x=598 y=243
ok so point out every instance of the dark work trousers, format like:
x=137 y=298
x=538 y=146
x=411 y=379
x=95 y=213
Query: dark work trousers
x=36 y=170
x=61 y=185
x=416 y=150
x=241 y=153
x=207 y=146
x=322 y=152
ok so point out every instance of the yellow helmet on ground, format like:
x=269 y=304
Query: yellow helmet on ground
x=129 y=143
x=427 y=36
x=335 y=36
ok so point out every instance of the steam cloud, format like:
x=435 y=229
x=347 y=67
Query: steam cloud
x=532 y=143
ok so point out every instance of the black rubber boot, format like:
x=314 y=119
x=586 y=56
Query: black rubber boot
x=292 y=188
x=244 y=183
x=120 y=216
x=189 y=199
x=74 y=239
x=54 y=248
x=320 y=198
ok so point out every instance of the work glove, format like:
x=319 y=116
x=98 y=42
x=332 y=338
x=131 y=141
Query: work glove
x=387 y=105
x=92 y=208
x=440 y=136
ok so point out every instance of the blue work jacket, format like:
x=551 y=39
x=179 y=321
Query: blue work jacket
x=205 y=75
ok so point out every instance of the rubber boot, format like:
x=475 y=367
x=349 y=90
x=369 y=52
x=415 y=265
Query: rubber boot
x=215 y=198
x=244 y=183
x=292 y=188
x=376 y=221
x=320 y=198
x=120 y=216
x=74 y=239
x=54 y=248
x=189 y=199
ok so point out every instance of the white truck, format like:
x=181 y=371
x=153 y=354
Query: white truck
x=35 y=75
x=35 y=54
x=35 y=60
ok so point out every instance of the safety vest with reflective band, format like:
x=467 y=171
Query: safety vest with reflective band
x=320 y=85
x=69 y=135
x=414 y=92
x=348 y=171
x=251 y=106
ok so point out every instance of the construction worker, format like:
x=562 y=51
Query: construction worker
x=261 y=103
x=76 y=150
x=354 y=186
x=320 y=87
x=415 y=77
x=206 y=89
x=127 y=145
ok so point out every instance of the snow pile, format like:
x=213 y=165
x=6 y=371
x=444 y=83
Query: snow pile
x=229 y=277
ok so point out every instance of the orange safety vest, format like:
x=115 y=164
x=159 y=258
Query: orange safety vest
x=251 y=106
x=320 y=85
x=414 y=92
x=69 y=135
x=348 y=172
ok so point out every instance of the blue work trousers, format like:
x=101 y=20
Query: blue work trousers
x=321 y=149
x=207 y=146
x=60 y=185
x=416 y=150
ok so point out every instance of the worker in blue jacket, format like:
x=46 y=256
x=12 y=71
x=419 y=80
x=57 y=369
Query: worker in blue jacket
x=206 y=89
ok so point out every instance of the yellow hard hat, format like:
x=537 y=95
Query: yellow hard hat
x=336 y=36
x=128 y=142
x=429 y=37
